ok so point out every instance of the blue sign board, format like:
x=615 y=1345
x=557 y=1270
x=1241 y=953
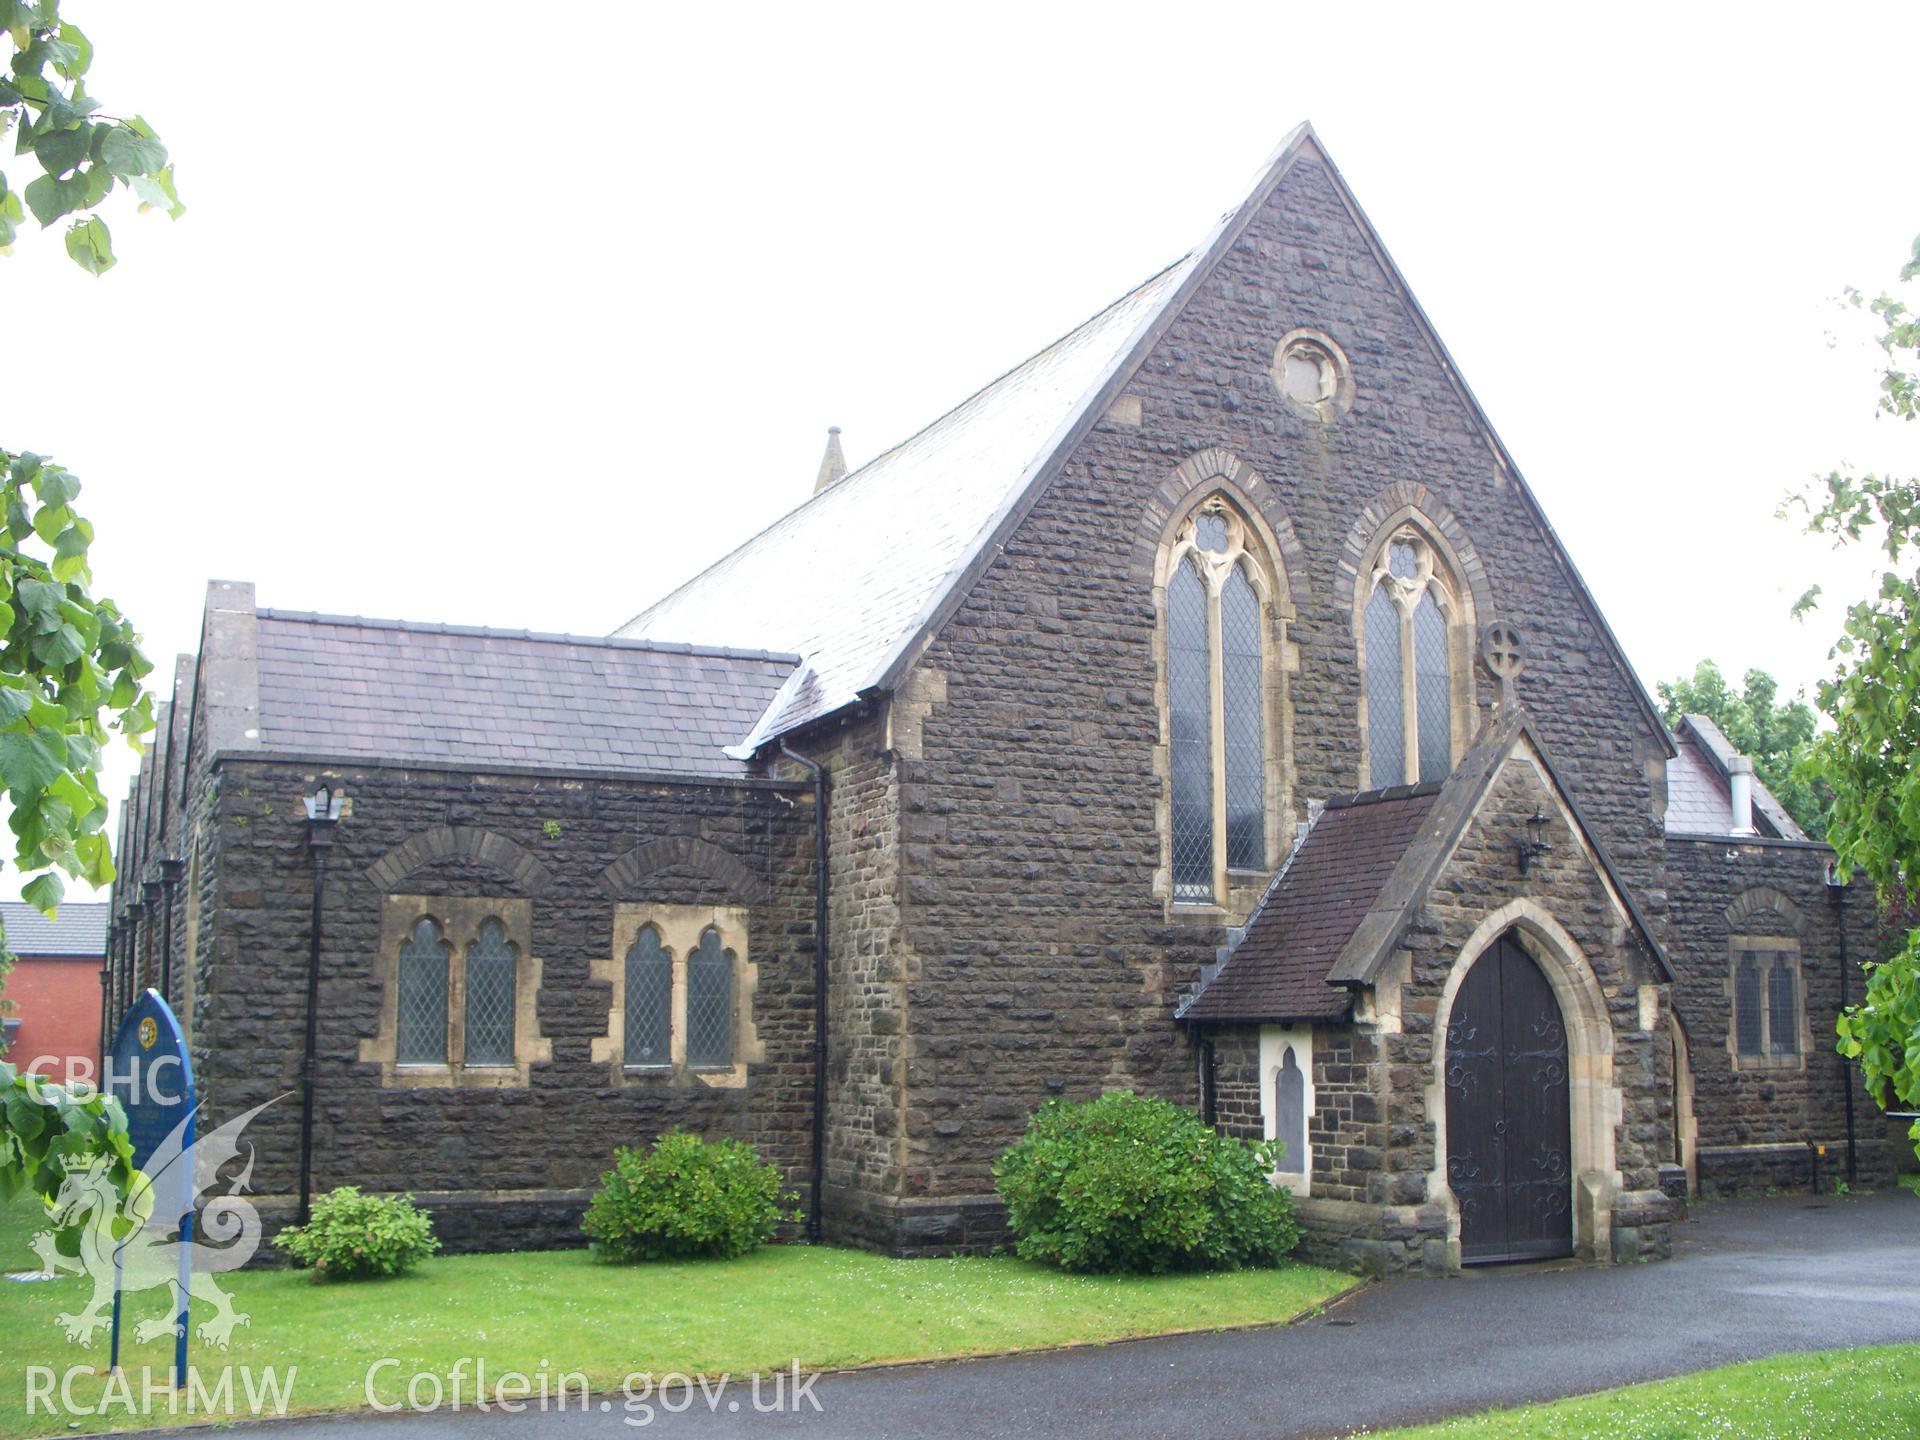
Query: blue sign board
x=150 y=1073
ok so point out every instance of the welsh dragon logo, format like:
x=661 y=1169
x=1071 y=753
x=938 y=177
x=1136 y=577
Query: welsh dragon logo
x=148 y=1254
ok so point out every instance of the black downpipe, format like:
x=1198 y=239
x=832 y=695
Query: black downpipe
x=818 y=1161
x=107 y=962
x=319 y=838
x=1838 y=893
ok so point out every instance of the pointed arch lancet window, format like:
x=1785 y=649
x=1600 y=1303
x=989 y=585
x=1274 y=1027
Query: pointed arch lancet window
x=1243 y=722
x=490 y=998
x=420 y=1031
x=1190 y=717
x=1290 y=1112
x=1783 y=1011
x=1407 y=630
x=1217 y=608
x=649 y=1001
x=710 y=1002
x=1749 y=1015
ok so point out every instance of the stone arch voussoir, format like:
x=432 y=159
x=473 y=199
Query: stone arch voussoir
x=460 y=842
x=1209 y=470
x=1409 y=501
x=1763 y=910
x=625 y=877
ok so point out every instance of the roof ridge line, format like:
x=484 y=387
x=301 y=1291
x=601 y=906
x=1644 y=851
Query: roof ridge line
x=548 y=637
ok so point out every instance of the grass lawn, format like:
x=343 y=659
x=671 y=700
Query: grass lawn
x=1859 y=1394
x=825 y=1308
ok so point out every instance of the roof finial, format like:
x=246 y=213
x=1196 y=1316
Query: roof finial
x=833 y=465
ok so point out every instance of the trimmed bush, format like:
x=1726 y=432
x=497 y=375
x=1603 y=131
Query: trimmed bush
x=1134 y=1184
x=683 y=1198
x=352 y=1236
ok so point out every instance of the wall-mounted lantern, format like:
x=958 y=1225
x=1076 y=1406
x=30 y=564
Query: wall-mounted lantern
x=1535 y=845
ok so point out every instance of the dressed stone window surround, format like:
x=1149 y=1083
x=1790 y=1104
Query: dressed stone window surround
x=1221 y=605
x=1286 y=1101
x=709 y=1032
x=488 y=993
x=1767 y=1026
x=1414 y=634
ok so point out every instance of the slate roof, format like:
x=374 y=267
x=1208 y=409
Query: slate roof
x=860 y=576
x=851 y=572
x=1699 y=801
x=1278 y=972
x=347 y=687
x=80 y=929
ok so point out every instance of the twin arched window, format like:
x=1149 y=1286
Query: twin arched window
x=1406 y=636
x=649 y=1001
x=423 y=1034
x=1216 y=608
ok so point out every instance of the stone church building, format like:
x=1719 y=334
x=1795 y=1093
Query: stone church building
x=1205 y=708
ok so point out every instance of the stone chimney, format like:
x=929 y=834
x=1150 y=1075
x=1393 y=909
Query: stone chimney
x=833 y=465
x=1740 y=786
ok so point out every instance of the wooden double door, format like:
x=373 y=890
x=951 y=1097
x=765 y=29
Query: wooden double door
x=1509 y=1131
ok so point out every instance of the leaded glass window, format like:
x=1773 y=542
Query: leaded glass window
x=1190 y=746
x=1290 y=1113
x=1783 y=1011
x=1244 y=722
x=1217 y=716
x=490 y=998
x=649 y=1001
x=1433 y=694
x=1748 y=1010
x=1386 y=718
x=710 y=1002
x=1407 y=631
x=420 y=1032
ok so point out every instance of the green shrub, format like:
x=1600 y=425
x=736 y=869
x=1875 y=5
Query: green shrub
x=1129 y=1183
x=360 y=1237
x=685 y=1197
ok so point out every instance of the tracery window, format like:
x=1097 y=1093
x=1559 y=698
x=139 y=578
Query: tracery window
x=1407 y=632
x=1217 y=604
x=459 y=990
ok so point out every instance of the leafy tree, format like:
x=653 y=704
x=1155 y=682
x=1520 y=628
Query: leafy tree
x=1871 y=757
x=70 y=664
x=83 y=154
x=1778 y=737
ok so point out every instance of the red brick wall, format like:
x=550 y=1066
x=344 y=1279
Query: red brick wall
x=57 y=1003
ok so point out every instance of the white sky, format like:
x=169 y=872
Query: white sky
x=478 y=319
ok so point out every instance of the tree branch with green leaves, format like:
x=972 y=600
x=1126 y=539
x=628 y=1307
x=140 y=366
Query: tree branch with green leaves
x=83 y=154
x=1871 y=757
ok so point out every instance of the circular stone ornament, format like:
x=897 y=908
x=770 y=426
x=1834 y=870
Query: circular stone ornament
x=1311 y=373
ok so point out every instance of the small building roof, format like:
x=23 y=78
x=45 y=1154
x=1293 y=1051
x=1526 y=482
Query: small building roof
x=1341 y=903
x=1699 y=797
x=79 y=929
x=1278 y=972
x=347 y=687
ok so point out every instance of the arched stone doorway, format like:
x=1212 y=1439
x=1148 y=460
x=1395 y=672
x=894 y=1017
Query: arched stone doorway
x=1509 y=1124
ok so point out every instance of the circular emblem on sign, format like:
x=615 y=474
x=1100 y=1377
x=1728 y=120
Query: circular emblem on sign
x=1503 y=650
x=149 y=1032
